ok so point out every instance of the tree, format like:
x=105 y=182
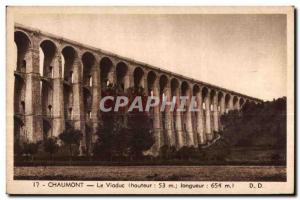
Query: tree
x=70 y=136
x=51 y=146
x=124 y=134
x=140 y=131
x=109 y=133
x=257 y=125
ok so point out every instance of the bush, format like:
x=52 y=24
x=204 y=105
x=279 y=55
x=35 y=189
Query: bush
x=71 y=137
x=167 y=152
x=188 y=153
x=51 y=146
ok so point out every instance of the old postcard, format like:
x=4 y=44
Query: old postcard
x=150 y=100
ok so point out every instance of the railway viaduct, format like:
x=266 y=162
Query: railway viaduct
x=59 y=81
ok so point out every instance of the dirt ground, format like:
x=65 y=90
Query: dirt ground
x=153 y=173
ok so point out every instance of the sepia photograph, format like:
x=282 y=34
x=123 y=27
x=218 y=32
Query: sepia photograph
x=150 y=100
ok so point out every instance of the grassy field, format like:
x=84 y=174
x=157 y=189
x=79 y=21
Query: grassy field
x=153 y=173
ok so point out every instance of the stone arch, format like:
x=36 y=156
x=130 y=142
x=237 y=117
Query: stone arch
x=174 y=85
x=197 y=92
x=163 y=83
x=88 y=61
x=220 y=98
x=196 y=115
x=48 y=62
x=23 y=43
x=184 y=88
x=186 y=115
x=215 y=109
x=205 y=94
x=138 y=75
x=227 y=102
x=242 y=102
x=46 y=39
x=196 y=89
x=175 y=92
x=70 y=55
x=184 y=92
x=177 y=118
x=235 y=102
x=152 y=89
x=121 y=72
x=151 y=82
x=49 y=69
x=213 y=93
x=106 y=68
x=165 y=117
x=23 y=61
x=212 y=108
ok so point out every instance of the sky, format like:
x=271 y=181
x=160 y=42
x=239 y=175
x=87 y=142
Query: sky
x=245 y=53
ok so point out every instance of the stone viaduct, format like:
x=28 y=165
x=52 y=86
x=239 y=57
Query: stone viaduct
x=59 y=81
